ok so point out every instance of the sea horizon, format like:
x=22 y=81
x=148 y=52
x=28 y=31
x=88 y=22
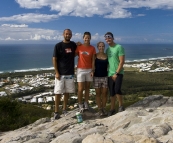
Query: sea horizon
x=36 y=57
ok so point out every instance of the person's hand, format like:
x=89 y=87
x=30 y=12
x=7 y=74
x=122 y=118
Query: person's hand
x=78 y=43
x=114 y=77
x=57 y=76
x=92 y=73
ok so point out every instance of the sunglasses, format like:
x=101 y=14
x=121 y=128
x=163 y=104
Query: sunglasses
x=108 y=37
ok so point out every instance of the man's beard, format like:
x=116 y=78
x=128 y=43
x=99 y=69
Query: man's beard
x=67 y=39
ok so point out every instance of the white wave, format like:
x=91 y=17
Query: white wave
x=34 y=69
x=149 y=59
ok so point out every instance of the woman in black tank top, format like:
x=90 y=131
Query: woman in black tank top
x=100 y=79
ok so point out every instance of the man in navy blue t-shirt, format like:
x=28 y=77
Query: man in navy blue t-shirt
x=63 y=62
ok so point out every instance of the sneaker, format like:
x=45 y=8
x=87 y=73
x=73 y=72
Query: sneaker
x=81 y=108
x=64 y=112
x=56 y=115
x=86 y=106
x=105 y=113
x=111 y=112
x=121 y=109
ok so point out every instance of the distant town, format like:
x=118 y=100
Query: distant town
x=17 y=86
x=159 y=65
x=21 y=86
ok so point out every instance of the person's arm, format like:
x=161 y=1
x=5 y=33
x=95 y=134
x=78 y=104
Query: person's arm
x=78 y=43
x=77 y=51
x=93 y=65
x=76 y=54
x=55 y=64
x=120 y=66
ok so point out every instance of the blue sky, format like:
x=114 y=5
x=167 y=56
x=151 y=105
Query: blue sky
x=43 y=21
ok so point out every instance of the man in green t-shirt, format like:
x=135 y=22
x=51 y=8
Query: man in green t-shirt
x=116 y=58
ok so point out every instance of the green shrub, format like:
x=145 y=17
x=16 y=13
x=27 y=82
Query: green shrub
x=14 y=115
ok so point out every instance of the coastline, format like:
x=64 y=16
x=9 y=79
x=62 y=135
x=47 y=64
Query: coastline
x=23 y=73
x=52 y=68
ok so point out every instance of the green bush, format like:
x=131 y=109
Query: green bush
x=14 y=115
x=10 y=113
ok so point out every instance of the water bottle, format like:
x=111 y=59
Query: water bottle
x=79 y=117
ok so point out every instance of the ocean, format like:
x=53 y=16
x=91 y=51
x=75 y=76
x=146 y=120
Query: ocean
x=33 y=57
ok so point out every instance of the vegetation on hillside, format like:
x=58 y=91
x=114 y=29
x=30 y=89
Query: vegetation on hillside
x=15 y=115
x=144 y=83
x=135 y=86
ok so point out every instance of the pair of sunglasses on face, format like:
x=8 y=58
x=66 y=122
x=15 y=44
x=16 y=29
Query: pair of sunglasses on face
x=108 y=37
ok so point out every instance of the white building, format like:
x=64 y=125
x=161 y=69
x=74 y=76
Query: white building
x=34 y=100
x=49 y=98
x=40 y=100
x=3 y=93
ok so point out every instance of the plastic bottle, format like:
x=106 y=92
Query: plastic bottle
x=79 y=117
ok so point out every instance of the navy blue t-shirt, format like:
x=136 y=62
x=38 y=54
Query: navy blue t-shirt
x=65 y=53
x=101 y=67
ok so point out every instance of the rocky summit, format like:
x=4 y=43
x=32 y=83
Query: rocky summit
x=147 y=121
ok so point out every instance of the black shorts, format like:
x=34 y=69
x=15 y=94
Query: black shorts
x=115 y=86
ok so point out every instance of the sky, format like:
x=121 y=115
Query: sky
x=43 y=21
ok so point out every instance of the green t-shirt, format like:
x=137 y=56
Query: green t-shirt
x=113 y=54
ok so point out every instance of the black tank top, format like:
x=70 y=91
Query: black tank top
x=101 y=67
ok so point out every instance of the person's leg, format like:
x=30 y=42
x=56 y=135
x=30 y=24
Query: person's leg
x=80 y=91
x=66 y=96
x=104 y=101
x=111 y=85
x=88 y=80
x=57 y=102
x=120 y=99
x=113 y=99
x=104 y=96
x=58 y=89
x=98 y=97
x=87 y=87
x=118 y=92
x=69 y=88
x=81 y=81
x=80 y=96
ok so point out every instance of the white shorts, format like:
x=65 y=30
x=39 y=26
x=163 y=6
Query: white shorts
x=84 y=75
x=65 y=84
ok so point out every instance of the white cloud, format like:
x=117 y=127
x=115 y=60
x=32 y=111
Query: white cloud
x=29 y=18
x=14 y=25
x=105 y=8
x=89 y=8
x=23 y=34
x=141 y=15
x=19 y=33
x=9 y=39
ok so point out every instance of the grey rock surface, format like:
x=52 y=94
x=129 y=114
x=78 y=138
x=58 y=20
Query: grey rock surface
x=147 y=121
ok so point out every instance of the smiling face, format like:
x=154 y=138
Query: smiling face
x=109 y=39
x=87 y=39
x=67 y=35
x=101 y=47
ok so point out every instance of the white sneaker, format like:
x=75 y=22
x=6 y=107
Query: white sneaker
x=81 y=108
x=86 y=106
x=64 y=112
